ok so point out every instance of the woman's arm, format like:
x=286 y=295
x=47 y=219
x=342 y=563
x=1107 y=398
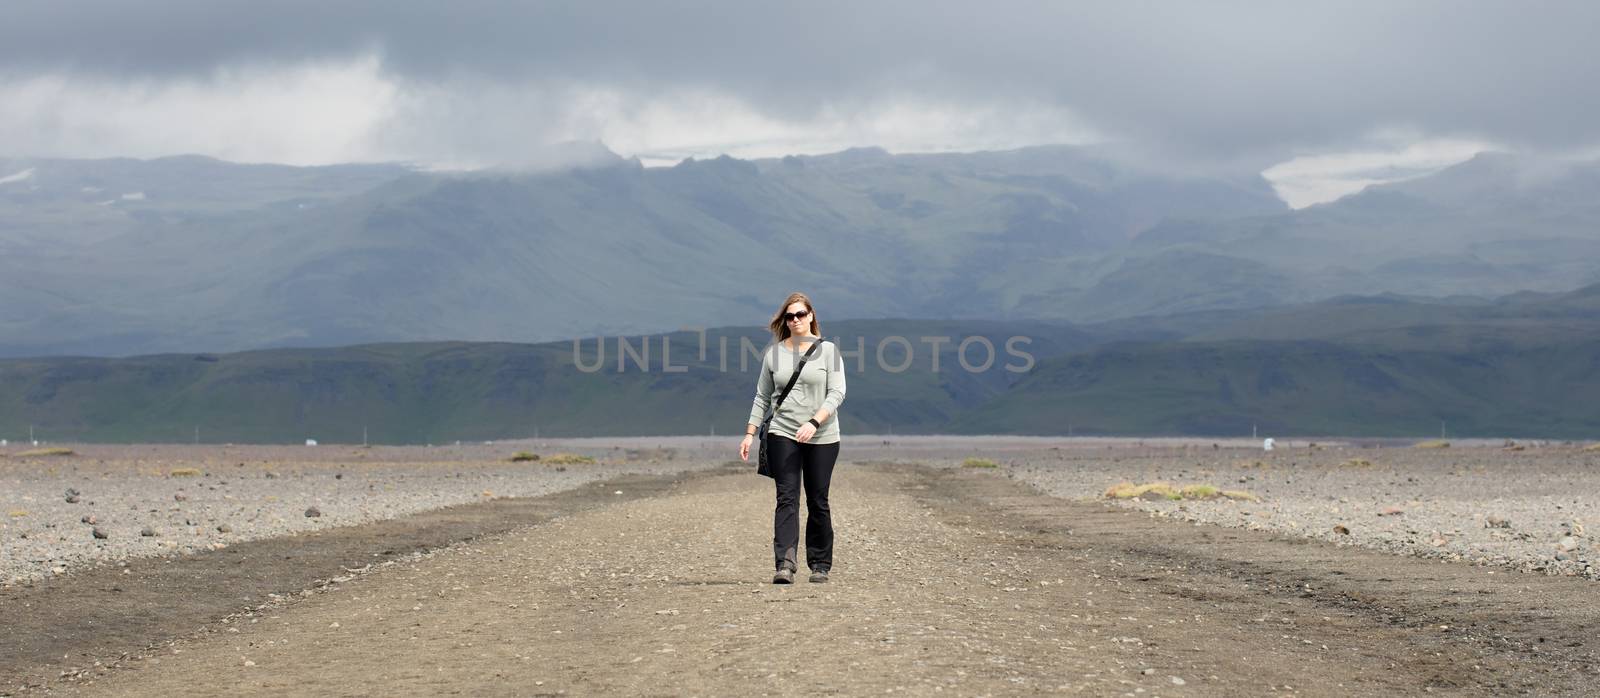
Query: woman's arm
x=835 y=396
x=758 y=409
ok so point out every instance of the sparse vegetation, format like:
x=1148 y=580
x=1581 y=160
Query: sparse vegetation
x=1434 y=443
x=1356 y=463
x=568 y=459
x=45 y=452
x=184 y=472
x=1152 y=490
x=1591 y=448
x=979 y=463
x=17 y=513
x=524 y=456
x=1165 y=490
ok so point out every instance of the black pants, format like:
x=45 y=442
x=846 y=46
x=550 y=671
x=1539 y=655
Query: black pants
x=794 y=462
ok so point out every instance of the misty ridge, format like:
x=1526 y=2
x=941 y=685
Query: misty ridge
x=120 y=257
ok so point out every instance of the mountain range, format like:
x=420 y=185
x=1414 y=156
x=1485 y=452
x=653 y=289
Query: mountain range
x=188 y=254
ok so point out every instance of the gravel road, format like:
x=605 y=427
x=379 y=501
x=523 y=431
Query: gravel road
x=957 y=580
x=968 y=580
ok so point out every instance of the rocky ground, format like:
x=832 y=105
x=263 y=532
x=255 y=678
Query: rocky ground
x=108 y=503
x=1528 y=507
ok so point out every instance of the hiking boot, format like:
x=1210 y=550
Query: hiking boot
x=819 y=576
x=784 y=575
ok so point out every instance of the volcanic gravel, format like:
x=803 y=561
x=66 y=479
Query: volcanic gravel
x=107 y=503
x=1525 y=506
x=1522 y=506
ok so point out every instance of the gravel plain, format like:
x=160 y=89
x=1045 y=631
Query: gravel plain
x=948 y=576
x=108 y=503
x=1524 y=506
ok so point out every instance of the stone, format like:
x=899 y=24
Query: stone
x=1567 y=544
x=89 y=519
x=1496 y=522
x=147 y=532
x=1391 y=511
x=313 y=512
x=224 y=528
x=99 y=534
x=1341 y=529
x=180 y=497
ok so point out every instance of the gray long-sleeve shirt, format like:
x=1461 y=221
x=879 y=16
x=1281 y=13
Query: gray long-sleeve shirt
x=821 y=385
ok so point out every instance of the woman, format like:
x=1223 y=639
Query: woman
x=803 y=439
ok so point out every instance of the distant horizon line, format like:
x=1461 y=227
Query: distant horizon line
x=1156 y=440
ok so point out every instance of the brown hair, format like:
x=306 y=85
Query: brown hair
x=780 y=329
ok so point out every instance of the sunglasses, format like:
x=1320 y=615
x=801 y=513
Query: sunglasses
x=796 y=316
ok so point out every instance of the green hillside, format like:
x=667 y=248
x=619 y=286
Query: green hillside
x=1520 y=366
x=435 y=392
x=1304 y=388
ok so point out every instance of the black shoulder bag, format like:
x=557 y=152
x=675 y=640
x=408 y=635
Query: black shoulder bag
x=762 y=467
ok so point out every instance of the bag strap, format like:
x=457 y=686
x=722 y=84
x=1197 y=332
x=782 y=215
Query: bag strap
x=798 y=367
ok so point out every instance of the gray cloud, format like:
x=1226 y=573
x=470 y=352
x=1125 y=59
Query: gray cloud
x=1240 y=81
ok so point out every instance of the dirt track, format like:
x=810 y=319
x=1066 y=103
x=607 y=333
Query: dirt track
x=945 y=581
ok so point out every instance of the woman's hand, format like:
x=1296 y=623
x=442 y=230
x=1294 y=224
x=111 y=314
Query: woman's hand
x=805 y=433
x=744 y=447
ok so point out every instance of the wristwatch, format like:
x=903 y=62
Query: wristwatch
x=815 y=423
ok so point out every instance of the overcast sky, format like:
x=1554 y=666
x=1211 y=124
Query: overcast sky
x=1322 y=98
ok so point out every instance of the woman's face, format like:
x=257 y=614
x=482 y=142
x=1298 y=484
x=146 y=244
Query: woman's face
x=798 y=325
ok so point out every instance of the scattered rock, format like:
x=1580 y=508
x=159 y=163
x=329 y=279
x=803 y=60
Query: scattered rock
x=1391 y=511
x=180 y=497
x=99 y=534
x=224 y=528
x=147 y=532
x=89 y=519
x=1176 y=681
x=1496 y=522
x=1341 y=529
x=1147 y=672
x=73 y=496
x=1567 y=544
x=313 y=512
